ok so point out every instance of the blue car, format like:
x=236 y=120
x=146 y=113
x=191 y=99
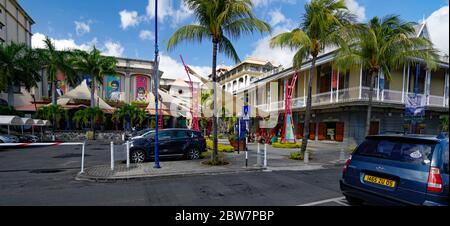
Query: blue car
x=398 y=170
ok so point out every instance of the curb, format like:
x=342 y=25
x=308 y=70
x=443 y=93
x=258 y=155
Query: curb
x=81 y=177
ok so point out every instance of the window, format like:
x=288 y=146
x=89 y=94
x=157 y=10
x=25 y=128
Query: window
x=165 y=135
x=409 y=151
x=421 y=79
x=180 y=134
x=180 y=91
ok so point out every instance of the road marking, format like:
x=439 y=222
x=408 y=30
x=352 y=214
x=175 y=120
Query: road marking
x=325 y=201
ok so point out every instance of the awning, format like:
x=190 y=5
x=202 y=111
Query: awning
x=10 y=120
x=26 y=122
x=83 y=92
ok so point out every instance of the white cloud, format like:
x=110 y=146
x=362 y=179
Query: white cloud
x=109 y=48
x=82 y=28
x=114 y=49
x=37 y=41
x=261 y=3
x=437 y=24
x=128 y=19
x=277 y=17
x=174 y=69
x=354 y=7
x=166 y=9
x=146 y=35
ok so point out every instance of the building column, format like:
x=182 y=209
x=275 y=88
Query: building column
x=378 y=86
x=304 y=89
x=427 y=85
x=407 y=79
x=360 y=82
x=337 y=89
x=403 y=82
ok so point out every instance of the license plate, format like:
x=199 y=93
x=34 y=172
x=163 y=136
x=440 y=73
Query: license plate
x=380 y=181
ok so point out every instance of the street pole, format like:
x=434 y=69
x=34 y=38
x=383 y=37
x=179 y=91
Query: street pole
x=156 y=79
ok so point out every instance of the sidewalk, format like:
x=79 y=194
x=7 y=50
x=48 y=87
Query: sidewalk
x=168 y=169
x=323 y=155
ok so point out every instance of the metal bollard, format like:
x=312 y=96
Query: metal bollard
x=342 y=155
x=128 y=154
x=82 y=157
x=258 y=158
x=265 y=155
x=246 y=153
x=112 y=155
x=306 y=157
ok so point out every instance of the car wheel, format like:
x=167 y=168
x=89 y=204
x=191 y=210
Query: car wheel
x=193 y=154
x=137 y=156
x=353 y=201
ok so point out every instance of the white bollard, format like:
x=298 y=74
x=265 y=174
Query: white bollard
x=82 y=157
x=123 y=136
x=306 y=157
x=342 y=155
x=53 y=138
x=265 y=155
x=128 y=154
x=258 y=154
x=112 y=155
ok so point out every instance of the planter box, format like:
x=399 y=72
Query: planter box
x=235 y=145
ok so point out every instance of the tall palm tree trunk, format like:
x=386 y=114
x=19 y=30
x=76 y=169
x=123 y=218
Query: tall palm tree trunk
x=11 y=95
x=214 y=79
x=54 y=101
x=369 y=107
x=308 y=108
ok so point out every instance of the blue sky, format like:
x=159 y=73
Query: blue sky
x=126 y=28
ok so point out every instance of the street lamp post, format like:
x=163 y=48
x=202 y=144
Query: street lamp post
x=156 y=79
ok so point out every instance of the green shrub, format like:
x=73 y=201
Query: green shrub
x=232 y=137
x=298 y=155
x=220 y=147
x=220 y=136
x=286 y=145
x=351 y=149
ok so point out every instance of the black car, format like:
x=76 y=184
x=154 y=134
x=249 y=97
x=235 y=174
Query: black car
x=172 y=143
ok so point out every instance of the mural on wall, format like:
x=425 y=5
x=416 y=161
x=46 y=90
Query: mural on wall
x=60 y=84
x=141 y=88
x=113 y=87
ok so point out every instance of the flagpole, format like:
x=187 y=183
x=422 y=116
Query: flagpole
x=156 y=79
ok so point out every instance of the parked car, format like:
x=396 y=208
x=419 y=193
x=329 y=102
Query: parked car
x=3 y=102
x=6 y=138
x=172 y=143
x=140 y=134
x=28 y=138
x=398 y=170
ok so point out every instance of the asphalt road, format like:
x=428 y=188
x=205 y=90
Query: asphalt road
x=45 y=176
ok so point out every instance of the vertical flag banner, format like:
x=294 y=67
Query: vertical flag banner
x=382 y=80
x=141 y=88
x=113 y=87
x=415 y=105
x=60 y=84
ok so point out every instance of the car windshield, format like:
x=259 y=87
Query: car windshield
x=142 y=132
x=149 y=134
x=398 y=150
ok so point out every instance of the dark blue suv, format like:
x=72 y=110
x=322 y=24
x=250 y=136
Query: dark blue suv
x=398 y=170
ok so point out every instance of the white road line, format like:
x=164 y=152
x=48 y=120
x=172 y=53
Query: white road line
x=341 y=203
x=323 y=201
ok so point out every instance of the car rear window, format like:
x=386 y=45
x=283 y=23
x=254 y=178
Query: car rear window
x=410 y=151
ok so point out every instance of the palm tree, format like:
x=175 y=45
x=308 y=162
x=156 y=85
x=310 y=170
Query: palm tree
x=57 y=61
x=54 y=113
x=217 y=21
x=130 y=114
x=324 y=23
x=95 y=65
x=19 y=66
x=383 y=45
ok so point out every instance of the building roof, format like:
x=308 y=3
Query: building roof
x=82 y=92
x=180 y=83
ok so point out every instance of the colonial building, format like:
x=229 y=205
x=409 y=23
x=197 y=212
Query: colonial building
x=243 y=74
x=15 y=26
x=340 y=98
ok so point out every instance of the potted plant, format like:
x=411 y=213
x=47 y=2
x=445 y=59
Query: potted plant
x=233 y=138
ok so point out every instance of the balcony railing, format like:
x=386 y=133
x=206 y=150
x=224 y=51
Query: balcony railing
x=355 y=94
